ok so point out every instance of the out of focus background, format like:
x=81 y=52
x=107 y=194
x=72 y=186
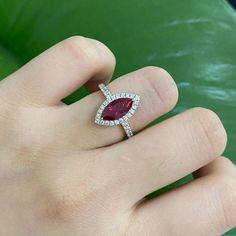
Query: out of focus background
x=233 y=2
x=194 y=40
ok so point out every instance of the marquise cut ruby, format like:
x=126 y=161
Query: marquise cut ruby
x=117 y=109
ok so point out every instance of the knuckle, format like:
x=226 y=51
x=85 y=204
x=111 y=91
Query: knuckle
x=224 y=161
x=104 y=52
x=81 y=49
x=212 y=129
x=162 y=85
x=226 y=187
x=154 y=71
x=75 y=42
x=91 y=51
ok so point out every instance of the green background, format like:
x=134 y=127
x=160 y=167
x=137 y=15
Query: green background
x=194 y=40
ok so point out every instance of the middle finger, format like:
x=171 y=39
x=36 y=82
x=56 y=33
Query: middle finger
x=166 y=152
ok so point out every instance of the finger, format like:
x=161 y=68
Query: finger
x=158 y=94
x=206 y=206
x=217 y=167
x=60 y=70
x=166 y=152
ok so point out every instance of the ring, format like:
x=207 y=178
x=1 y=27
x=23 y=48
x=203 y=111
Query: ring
x=117 y=109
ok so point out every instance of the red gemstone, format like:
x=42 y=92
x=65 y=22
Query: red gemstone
x=117 y=109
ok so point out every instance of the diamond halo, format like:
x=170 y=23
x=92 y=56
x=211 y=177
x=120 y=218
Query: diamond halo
x=122 y=120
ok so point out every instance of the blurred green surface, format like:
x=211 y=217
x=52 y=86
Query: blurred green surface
x=194 y=40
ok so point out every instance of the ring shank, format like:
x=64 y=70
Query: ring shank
x=127 y=129
x=105 y=90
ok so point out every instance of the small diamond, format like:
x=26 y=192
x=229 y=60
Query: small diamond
x=132 y=111
x=120 y=120
x=129 y=115
x=109 y=99
x=125 y=118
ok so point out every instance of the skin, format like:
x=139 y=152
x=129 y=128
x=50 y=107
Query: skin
x=61 y=174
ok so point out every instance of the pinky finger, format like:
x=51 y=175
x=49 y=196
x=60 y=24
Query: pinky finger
x=205 y=206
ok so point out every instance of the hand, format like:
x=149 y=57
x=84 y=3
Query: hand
x=61 y=174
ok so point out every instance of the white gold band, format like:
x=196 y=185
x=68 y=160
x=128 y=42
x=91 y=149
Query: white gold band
x=105 y=90
x=127 y=129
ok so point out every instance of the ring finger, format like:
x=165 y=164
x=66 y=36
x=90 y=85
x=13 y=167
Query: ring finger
x=158 y=94
x=209 y=202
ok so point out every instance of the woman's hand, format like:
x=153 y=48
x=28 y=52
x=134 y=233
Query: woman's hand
x=61 y=174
